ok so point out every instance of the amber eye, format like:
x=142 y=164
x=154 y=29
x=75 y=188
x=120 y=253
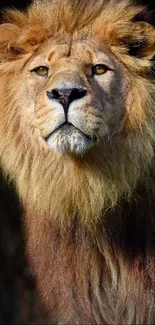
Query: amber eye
x=99 y=69
x=41 y=71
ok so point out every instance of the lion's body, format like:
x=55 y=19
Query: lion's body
x=97 y=280
x=84 y=173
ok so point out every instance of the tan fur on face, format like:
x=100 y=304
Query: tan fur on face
x=69 y=190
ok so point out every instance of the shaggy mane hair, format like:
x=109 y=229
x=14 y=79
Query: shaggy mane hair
x=89 y=221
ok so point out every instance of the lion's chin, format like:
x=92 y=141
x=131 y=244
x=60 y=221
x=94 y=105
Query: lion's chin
x=69 y=139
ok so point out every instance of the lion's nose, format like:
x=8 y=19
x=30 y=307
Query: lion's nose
x=65 y=96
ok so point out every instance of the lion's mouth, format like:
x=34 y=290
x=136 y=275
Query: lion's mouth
x=68 y=128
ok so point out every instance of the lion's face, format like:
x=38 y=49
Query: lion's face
x=75 y=93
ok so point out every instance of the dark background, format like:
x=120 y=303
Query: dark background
x=15 y=3
x=19 y=301
x=23 y=3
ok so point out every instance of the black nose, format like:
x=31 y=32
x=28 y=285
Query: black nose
x=65 y=96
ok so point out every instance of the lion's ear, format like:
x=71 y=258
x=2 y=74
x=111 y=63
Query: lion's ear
x=9 y=35
x=139 y=39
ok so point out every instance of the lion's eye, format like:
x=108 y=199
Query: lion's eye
x=41 y=71
x=99 y=69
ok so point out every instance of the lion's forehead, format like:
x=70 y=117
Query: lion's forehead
x=72 y=52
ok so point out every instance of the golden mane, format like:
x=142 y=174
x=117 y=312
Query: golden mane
x=79 y=209
x=46 y=19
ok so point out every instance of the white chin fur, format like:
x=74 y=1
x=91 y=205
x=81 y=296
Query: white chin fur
x=75 y=143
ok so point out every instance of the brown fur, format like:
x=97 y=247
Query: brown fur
x=89 y=220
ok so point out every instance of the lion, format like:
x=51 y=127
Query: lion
x=77 y=114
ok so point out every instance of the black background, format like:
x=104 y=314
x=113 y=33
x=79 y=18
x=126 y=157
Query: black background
x=15 y=3
x=23 y=3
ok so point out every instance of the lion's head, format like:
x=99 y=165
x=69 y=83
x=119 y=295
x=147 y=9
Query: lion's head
x=77 y=102
x=75 y=92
